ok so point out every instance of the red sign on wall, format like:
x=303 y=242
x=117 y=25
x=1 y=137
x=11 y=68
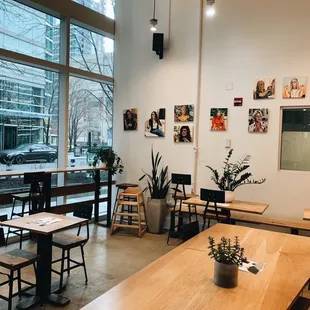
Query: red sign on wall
x=238 y=102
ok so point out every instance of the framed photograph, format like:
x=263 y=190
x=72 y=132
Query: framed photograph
x=183 y=134
x=155 y=126
x=184 y=113
x=258 y=120
x=218 y=119
x=294 y=87
x=264 y=89
x=130 y=119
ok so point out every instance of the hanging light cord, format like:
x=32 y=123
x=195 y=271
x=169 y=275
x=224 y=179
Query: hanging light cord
x=154 y=8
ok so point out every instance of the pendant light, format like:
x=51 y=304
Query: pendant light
x=153 y=21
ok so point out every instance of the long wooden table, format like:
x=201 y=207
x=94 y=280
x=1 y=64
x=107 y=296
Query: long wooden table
x=183 y=278
x=67 y=190
x=236 y=205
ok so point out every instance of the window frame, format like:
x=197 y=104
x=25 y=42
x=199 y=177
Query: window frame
x=68 y=12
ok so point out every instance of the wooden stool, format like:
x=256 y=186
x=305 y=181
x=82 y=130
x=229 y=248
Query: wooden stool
x=133 y=197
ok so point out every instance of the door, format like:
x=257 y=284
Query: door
x=10 y=137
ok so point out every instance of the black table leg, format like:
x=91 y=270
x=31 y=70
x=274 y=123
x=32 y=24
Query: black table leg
x=97 y=194
x=44 y=292
x=109 y=204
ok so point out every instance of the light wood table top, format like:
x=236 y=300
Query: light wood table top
x=236 y=205
x=183 y=278
x=307 y=214
x=50 y=170
x=30 y=223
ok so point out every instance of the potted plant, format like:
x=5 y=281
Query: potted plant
x=158 y=186
x=228 y=257
x=109 y=159
x=232 y=176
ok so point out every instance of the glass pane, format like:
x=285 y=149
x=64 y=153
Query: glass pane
x=295 y=150
x=105 y=7
x=90 y=126
x=28 y=31
x=91 y=51
x=28 y=123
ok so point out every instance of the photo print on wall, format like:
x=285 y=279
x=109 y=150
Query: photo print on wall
x=294 y=87
x=218 y=119
x=130 y=119
x=183 y=134
x=155 y=126
x=184 y=113
x=264 y=89
x=258 y=120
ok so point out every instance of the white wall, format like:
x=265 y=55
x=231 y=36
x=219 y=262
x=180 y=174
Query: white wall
x=245 y=41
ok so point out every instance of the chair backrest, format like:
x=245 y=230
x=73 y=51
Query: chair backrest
x=212 y=195
x=84 y=211
x=37 y=177
x=190 y=230
x=181 y=179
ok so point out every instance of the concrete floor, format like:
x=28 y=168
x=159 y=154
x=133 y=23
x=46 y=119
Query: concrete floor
x=109 y=259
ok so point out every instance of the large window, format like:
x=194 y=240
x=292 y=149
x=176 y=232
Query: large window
x=295 y=149
x=35 y=132
x=28 y=31
x=91 y=51
x=105 y=7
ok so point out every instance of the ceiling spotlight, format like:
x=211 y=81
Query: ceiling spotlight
x=210 y=8
x=153 y=21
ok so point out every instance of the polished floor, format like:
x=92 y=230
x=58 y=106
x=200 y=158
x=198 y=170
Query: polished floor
x=110 y=260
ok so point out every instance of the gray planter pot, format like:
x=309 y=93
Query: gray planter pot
x=156 y=211
x=225 y=275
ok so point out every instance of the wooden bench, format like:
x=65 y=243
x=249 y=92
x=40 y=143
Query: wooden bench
x=294 y=226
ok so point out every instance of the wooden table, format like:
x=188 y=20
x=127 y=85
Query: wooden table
x=44 y=249
x=307 y=214
x=236 y=205
x=183 y=278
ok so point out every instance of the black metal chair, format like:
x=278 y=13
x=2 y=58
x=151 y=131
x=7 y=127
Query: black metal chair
x=68 y=241
x=34 y=198
x=15 y=261
x=212 y=211
x=178 y=196
x=190 y=230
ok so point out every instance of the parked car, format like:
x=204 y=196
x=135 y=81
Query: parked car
x=27 y=153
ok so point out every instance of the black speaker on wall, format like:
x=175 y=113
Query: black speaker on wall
x=158 y=44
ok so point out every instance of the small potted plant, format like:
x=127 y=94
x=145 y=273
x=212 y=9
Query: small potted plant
x=232 y=176
x=158 y=186
x=109 y=159
x=228 y=256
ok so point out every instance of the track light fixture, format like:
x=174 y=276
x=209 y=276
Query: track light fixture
x=210 y=8
x=153 y=21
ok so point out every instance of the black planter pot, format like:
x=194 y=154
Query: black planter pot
x=225 y=275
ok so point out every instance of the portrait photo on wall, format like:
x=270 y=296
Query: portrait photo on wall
x=130 y=119
x=218 y=119
x=258 y=120
x=294 y=87
x=184 y=113
x=155 y=126
x=264 y=89
x=183 y=134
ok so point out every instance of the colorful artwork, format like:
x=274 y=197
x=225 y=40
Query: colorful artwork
x=258 y=120
x=155 y=126
x=183 y=113
x=264 y=89
x=130 y=119
x=183 y=134
x=294 y=87
x=218 y=118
